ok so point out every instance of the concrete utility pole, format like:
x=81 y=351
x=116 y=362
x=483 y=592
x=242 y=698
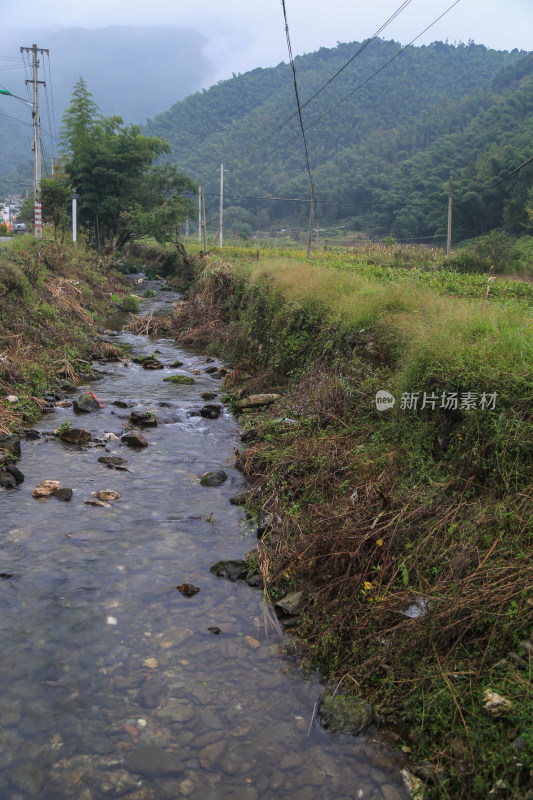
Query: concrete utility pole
x=311 y=214
x=204 y=229
x=200 y=213
x=450 y=203
x=221 y=223
x=34 y=50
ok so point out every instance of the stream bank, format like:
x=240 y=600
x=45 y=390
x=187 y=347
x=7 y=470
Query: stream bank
x=116 y=684
x=407 y=531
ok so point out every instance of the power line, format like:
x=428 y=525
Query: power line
x=370 y=203
x=501 y=180
x=347 y=63
x=51 y=100
x=323 y=200
x=386 y=64
x=291 y=59
x=4 y=114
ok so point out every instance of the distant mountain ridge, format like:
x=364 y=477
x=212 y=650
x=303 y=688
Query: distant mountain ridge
x=362 y=150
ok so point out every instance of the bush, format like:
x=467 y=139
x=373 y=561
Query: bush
x=468 y=263
x=131 y=303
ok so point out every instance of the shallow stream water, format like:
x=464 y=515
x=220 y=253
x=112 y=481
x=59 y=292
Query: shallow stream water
x=112 y=684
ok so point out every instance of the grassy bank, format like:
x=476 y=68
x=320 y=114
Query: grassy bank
x=407 y=529
x=51 y=297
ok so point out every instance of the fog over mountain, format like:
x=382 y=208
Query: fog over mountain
x=133 y=72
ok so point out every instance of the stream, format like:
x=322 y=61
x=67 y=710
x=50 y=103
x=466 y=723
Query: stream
x=112 y=683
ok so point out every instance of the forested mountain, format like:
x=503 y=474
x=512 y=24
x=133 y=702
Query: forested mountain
x=381 y=148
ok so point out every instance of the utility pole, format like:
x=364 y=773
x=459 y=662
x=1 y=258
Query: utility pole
x=204 y=229
x=450 y=203
x=310 y=238
x=221 y=223
x=38 y=225
x=74 y=197
x=200 y=213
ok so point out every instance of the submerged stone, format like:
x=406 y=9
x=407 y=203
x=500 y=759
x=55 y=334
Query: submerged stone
x=185 y=380
x=211 y=411
x=150 y=759
x=232 y=570
x=75 y=436
x=63 y=494
x=342 y=714
x=112 y=461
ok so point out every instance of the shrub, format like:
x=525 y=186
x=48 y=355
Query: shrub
x=131 y=303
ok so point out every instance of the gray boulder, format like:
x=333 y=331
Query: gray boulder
x=213 y=478
x=86 y=403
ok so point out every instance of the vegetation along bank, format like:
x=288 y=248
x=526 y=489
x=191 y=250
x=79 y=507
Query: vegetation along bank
x=405 y=525
x=52 y=296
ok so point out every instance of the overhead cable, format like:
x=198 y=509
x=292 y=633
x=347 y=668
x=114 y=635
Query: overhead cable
x=291 y=59
x=386 y=64
x=501 y=180
x=333 y=77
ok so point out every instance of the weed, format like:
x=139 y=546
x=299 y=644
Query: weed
x=131 y=303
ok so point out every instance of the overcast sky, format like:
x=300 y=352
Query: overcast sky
x=244 y=34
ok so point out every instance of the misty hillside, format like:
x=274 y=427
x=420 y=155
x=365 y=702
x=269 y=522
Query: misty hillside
x=132 y=72
x=394 y=141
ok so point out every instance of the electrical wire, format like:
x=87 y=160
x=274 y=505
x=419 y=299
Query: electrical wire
x=291 y=59
x=5 y=114
x=325 y=200
x=346 y=64
x=54 y=128
x=386 y=64
x=497 y=183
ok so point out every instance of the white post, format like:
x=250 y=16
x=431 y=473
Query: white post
x=74 y=197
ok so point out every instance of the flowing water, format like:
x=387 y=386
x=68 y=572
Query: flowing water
x=112 y=683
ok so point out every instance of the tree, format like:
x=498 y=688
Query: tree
x=110 y=165
x=55 y=198
x=162 y=207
